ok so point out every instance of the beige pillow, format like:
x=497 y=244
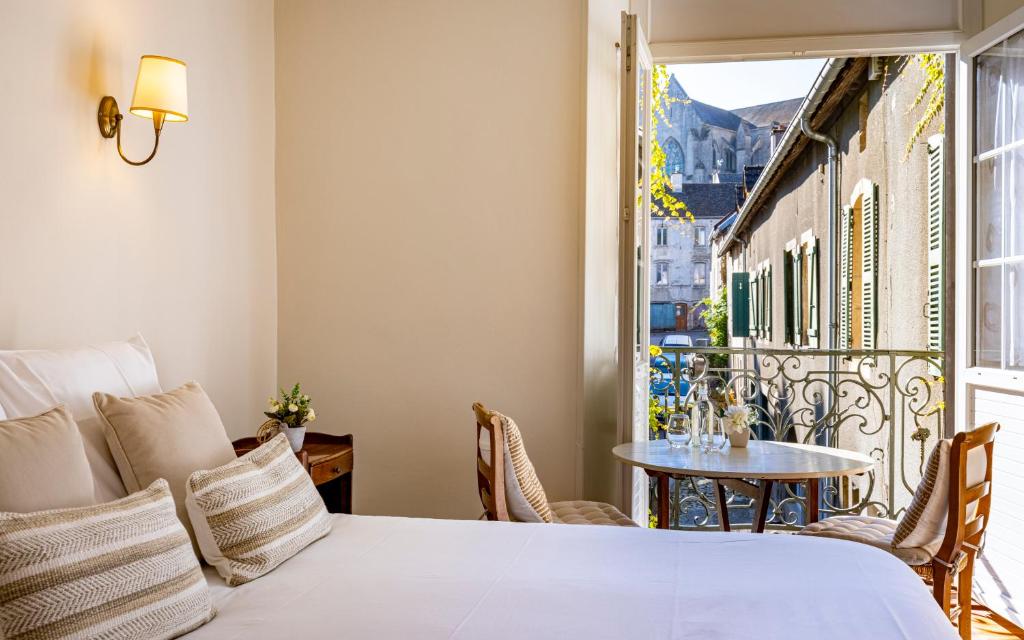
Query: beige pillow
x=43 y=463
x=524 y=494
x=122 y=569
x=256 y=512
x=166 y=435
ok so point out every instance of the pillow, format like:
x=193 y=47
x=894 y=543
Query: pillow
x=524 y=494
x=34 y=381
x=123 y=569
x=254 y=513
x=924 y=523
x=167 y=435
x=43 y=463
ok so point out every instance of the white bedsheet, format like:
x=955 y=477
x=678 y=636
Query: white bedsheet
x=383 y=578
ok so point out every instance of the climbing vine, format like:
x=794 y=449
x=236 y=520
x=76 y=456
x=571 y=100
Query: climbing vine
x=932 y=94
x=662 y=200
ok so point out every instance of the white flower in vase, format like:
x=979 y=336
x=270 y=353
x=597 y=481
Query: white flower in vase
x=738 y=417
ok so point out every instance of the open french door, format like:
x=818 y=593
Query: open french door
x=989 y=373
x=634 y=291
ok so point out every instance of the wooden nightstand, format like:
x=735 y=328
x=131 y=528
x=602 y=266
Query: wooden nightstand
x=329 y=461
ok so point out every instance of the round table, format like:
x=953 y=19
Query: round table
x=751 y=471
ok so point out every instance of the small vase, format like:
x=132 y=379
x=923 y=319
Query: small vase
x=295 y=435
x=739 y=440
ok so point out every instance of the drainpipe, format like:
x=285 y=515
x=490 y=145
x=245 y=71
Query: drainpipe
x=833 y=216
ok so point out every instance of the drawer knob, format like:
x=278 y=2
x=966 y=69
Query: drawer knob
x=336 y=469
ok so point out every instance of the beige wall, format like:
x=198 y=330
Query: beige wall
x=601 y=251
x=429 y=197
x=181 y=249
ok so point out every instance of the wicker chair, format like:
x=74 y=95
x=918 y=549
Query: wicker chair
x=965 y=528
x=490 y=474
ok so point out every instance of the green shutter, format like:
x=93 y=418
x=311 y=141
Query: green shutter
x=787 y=298
x=755 y=321
x=845 y=298
x=870 y=265
x=739 y=297
x=768 y=303
x=812 y=285
x=798 y=296
x=936 y=215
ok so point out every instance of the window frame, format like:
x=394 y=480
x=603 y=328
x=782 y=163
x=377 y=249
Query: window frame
x=704 y=277
x=658 y=264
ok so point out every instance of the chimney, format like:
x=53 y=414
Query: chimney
x=776 y=137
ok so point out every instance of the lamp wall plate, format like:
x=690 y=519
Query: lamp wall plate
x=107 y=115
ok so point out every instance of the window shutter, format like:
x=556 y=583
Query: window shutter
x=739 y=298
x=936 y=215
x=787 y=297
x=812 y=285
x=755 y=322
x=845 y=273
x=768 y=303
x=870 y=263
x=798 y=296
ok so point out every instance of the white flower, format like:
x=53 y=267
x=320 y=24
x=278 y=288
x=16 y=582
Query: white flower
x=305 y=398
x=293 y=408
x=276 y=407
x=310 y=415
x=737 y=418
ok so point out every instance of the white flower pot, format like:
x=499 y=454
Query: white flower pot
x=740 y=439
x=295 y=435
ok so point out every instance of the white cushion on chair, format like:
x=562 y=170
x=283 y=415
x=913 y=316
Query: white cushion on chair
x=524 y=494
x=587 y=512
x=877 y=532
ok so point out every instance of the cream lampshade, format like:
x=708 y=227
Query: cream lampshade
x=161 y=94
x=160 y=90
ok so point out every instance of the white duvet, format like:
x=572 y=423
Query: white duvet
x=384 y=578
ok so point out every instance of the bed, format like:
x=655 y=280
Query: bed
x=383 y=577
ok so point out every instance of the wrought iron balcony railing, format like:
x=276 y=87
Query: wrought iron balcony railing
x=886 y=403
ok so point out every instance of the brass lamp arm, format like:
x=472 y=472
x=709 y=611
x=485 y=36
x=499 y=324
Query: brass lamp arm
x=156 y=142
x=111 y=120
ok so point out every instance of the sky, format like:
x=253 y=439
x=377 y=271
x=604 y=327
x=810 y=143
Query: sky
x=731 y=85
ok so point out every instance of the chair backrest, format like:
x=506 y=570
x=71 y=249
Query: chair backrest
x=490 y=465
x=965 y=525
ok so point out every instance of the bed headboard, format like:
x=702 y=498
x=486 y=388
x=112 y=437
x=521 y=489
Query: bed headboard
x=490 y=463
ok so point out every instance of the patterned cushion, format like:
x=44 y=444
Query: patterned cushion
x=924 y=523
x=524 y=493
x=586 y=512
x=255 y=512
x=877 y=532
x=123 y=569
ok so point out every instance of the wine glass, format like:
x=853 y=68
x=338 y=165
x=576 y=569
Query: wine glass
x=718 y=439
x=678 y=430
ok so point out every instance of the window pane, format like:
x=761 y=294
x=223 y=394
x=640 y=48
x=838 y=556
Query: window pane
x=999 y=76
x=989 y=225
x=1013 y=196
x=989 y=317
x=1015 y=315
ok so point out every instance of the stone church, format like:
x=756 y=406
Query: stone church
x=704 y=143
x=713 y=158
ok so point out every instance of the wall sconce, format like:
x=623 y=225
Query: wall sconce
x=160 y=94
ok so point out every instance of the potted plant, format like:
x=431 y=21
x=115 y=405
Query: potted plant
x=290 y=413
x=737 y=420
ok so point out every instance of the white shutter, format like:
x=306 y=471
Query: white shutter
x=870 y=266
x=845 y=272
x=936 y=215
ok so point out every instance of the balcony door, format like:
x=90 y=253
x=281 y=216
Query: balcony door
x=634 y=234
x=990 y=289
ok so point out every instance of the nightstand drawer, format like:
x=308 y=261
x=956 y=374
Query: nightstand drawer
x=331 y=468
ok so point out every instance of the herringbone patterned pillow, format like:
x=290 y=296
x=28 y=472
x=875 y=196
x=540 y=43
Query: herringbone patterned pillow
x=123 y=569
x=255 y=512
x=527 y=501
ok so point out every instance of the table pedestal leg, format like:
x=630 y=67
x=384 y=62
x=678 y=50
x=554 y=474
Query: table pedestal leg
x=764 y=497
x=812 y=500
x=720 y=505
x=662 y=479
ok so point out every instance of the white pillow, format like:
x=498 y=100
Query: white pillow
x=33 y=381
